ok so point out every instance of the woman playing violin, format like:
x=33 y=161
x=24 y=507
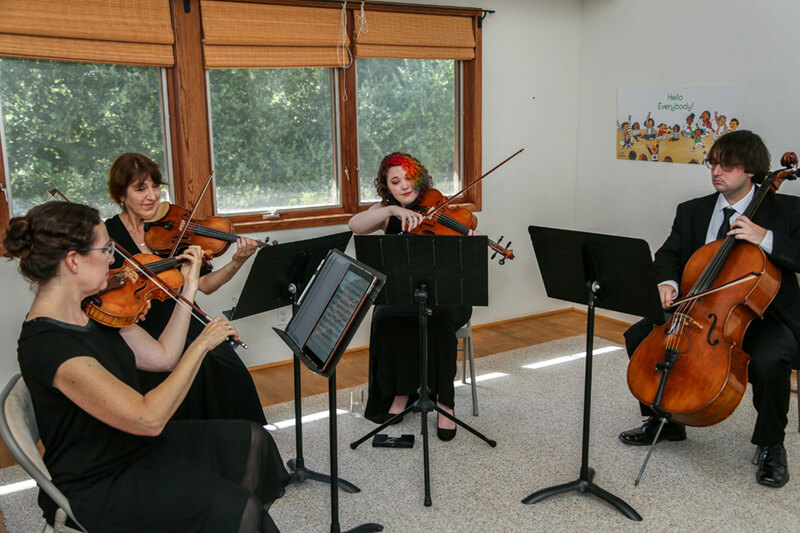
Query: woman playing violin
x=224 y=387
x=111 y=449
x=394 y=346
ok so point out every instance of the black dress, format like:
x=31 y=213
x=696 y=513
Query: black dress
x=194 y=476
x=394 y=352
x=223 y=387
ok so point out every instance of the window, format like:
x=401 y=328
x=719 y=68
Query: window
x=272 y=139
x=407 y=105
x=65 y=123
x=255 y=90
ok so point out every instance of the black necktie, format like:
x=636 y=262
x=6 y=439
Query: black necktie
x=726 y=223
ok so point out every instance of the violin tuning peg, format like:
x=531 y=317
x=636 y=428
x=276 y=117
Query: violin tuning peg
x=508 y=244
x=500 y=239
x=493 y=256
x=502 y=261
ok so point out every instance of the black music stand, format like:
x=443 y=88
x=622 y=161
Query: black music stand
x=277 y=278
x=614 y=273
x=327 y=312
x=425 y=270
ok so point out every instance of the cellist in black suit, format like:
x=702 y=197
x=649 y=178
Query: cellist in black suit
x=739 y=161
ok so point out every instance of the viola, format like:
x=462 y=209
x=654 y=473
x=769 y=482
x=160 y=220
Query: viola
x=693 y=368
x=124 y=300
x=172 y=228
x=451 y=220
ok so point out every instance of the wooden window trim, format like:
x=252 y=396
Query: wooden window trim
x=190 y=133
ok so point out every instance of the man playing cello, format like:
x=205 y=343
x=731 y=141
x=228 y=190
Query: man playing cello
x=739 y=161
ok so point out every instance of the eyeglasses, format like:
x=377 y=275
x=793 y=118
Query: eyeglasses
x=726 y=167
x=108 y=250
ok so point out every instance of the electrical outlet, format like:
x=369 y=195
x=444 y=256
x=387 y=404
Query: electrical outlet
x=284 y=314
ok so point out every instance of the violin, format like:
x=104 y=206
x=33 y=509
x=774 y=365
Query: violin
x=693 y=368
x=143 y=277
x=451 y=220
x=172 y=227
x=124 y=300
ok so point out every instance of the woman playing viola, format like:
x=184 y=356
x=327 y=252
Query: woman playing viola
x=111 y=449
x=224 y=387
x=394 y=356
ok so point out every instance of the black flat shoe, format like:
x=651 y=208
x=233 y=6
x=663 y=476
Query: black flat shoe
x=446 y=434
x=646 y=434
x=772 y=469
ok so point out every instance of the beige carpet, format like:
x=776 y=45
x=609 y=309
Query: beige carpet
x=705 y=482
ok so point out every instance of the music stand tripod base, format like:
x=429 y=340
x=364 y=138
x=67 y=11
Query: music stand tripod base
x=585 y=482
x=572 y=265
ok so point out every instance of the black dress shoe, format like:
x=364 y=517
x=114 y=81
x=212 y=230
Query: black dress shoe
x=772 y=470
x=645 y=435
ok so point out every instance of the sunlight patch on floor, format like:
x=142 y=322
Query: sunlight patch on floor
x=306 y=419
x=16 y=487
x=568 y=358
x=482 y=377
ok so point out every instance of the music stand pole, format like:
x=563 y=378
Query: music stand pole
x=297 y=466
x=334 y=477
x=608 y=271
x=585 y=482
x=278 y=275
x=329 y=302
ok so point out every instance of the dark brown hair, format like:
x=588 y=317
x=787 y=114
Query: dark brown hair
x=742 y=147
x=415 y=172
x=128 y=168
x=42 y=238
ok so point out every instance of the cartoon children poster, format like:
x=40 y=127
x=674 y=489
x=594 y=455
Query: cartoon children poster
x=675 y=124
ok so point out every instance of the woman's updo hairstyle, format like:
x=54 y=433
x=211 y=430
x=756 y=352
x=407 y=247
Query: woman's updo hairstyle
x=42 y=238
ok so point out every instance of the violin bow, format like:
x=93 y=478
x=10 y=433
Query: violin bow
x=191 y=215
x=471 y=185
x=55 y=192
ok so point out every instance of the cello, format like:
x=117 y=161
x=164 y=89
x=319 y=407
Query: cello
x=692 y=370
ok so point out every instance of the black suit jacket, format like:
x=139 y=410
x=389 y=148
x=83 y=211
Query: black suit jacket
x=779 y=213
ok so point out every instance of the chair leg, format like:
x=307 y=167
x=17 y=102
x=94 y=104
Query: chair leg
x=469 y=352
x=463 y=349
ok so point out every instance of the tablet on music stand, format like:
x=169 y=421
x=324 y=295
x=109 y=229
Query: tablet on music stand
x=330 y=310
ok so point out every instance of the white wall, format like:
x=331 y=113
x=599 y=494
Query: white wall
x=630 y=43
x=530 y=92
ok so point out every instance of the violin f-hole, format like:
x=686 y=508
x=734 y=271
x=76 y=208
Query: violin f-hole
x=710 y=329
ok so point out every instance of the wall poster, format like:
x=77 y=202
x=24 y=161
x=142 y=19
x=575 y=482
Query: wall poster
x=676 y=124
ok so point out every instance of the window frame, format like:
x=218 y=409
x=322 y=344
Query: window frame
x=189 y=135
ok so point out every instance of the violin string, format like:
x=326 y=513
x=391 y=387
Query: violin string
x=205 y=231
